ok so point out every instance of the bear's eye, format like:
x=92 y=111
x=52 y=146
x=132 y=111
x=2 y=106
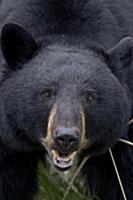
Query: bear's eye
x=90 y=98
x=46 y=93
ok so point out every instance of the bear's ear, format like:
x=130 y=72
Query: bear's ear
x=121 y=58
x=17 y=45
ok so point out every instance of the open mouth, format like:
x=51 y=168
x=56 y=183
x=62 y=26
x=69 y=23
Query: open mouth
x=60 y=160
x=63 y=162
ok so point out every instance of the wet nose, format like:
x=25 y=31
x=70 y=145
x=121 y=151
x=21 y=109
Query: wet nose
x=67 y=139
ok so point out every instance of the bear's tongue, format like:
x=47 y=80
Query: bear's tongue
x=63 y=162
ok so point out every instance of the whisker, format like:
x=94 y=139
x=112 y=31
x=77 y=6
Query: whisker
x=117 y=173
x=125 y=141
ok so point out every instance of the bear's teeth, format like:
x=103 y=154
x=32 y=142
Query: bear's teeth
x=63 y=160
x=62 y=163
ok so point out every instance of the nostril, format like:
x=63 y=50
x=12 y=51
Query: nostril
x=60 y=140
x=72 y=140
x=66 y=139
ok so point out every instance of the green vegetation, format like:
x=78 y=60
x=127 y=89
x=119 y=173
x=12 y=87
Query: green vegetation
x=52 y=186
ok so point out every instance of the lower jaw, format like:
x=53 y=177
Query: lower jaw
x=62 y=169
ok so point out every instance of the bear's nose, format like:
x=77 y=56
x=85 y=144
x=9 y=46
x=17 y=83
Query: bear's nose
x=66 y=139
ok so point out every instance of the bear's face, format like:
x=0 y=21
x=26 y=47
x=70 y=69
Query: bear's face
x=64 y=98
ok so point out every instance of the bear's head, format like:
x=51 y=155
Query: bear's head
x=70 y=99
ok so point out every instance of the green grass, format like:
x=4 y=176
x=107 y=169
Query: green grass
x=52 y=186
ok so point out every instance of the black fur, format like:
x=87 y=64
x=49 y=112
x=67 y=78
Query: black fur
x=75 y=49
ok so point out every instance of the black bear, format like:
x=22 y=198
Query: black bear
x=66 y=78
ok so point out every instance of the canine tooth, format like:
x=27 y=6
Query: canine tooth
x=62 y=163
